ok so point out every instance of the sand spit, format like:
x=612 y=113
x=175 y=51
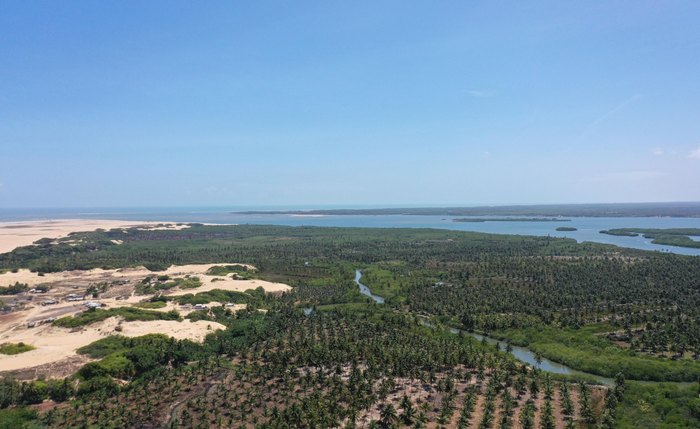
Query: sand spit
x=17 y=234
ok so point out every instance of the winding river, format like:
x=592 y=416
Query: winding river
x=528 y=356
x=521 y=353
x=364 y=290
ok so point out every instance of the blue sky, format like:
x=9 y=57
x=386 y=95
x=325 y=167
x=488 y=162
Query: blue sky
x=129 y=103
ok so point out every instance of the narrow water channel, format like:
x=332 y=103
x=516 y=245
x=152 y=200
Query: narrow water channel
x=521 y=353
x=365 y=290
x=529 y=357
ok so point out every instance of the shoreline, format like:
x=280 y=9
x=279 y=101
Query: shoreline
x=16 y=234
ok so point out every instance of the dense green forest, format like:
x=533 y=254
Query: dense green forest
x=669 y=236
x=615 y=312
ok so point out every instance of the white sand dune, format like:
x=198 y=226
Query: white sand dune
x=17 y=234
x=54 y=344
x=98 y=274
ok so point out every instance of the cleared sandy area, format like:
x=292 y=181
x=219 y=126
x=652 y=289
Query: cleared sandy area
x=54 y=344
x=17 y=234
x=94 y=275
x=99 y=275
x=230 y=284
x=30 y=319
x=219 y=282
x=30 y=322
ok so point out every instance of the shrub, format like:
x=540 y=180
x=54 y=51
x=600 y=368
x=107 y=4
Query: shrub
x=104 y=384
x=129 y=314
x=15 y=349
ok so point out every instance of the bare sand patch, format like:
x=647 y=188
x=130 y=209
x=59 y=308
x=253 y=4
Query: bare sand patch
x=128 y=274
x=31 y=321
x=54 y=343
x=198 y=268
x=33 y=279
x=208 y=283
x=17 y=234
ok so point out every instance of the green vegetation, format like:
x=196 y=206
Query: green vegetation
x=19 y=418
x=585 y=351
x=106 y=346
x=316 y=371
x=129 y=314
x=669 y=236
x=281 y=252
x=241 y=271
x=15 y=349
x=620 y=233
x=95 y=290
x=153 y=284
x=653 y=231
x=124 y=358
x=567 y=228
x=385 y=283
x=14 y=289
x=593 y=307
x=659 y=406
x=15 y=393
x=150 y=304
x=256 y=296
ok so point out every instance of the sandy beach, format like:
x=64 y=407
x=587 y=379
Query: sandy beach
x=17 y=234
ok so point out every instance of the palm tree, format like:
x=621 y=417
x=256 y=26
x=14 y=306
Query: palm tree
x=388 y=415
x=408 y=410
x=547 y=416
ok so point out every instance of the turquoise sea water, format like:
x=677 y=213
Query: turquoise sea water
x=588 y=227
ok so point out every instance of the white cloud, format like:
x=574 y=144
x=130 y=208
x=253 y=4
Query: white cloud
x=487 y=154
x=695 y=154
x=658 y=152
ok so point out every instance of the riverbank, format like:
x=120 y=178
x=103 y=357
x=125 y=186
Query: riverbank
x=583 y=350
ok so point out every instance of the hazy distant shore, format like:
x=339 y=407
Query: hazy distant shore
x=681 y=209
x=510 y=219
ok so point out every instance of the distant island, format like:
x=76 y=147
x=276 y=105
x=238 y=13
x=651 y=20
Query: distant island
x=682 y=209
x=668 y=236
x=567 y=228
x=510 y=219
